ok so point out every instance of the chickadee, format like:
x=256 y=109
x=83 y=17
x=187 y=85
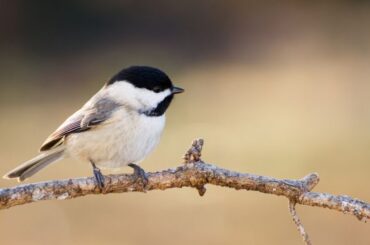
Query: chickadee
x=119 y=126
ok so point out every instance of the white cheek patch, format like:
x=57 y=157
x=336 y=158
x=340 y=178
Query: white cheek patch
x=150 y=99
x=139 y=98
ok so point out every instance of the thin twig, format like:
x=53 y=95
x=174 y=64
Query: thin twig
x=298 y=223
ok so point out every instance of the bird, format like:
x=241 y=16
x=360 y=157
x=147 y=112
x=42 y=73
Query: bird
x=119 y=126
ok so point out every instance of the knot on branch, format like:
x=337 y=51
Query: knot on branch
x=201 y=190
x=192 y=156
x=295 y=189
x=310 y=181
x=194 y=153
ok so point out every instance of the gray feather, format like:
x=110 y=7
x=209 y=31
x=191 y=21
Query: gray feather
x=34 y=165
x=101 y=111
x=88 y=116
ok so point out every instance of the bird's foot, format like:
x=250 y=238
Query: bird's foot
x=99 y=177
x=139 y=174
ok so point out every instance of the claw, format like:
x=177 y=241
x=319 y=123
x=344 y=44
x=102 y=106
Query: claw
x=139 y=173
x=99 y=177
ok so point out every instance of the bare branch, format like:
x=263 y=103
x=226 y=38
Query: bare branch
x=194 y=173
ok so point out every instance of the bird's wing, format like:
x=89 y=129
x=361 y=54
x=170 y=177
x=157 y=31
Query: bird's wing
x=92 y=114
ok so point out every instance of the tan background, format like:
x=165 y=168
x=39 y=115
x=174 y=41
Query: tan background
x=274 y=89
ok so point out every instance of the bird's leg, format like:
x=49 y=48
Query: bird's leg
x=139 y=173
x=99 y=177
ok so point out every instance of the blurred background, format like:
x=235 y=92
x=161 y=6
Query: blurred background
x=275 y=88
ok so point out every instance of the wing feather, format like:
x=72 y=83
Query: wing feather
x=57 y=138
x=81 y=121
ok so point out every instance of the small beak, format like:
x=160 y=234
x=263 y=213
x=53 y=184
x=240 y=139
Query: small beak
x=177 y=90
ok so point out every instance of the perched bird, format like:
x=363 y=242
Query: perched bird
x=119 y=126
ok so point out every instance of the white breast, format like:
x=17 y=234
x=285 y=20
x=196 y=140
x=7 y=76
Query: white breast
x=127 y=137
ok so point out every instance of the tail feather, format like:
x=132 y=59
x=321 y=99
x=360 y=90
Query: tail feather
x=34 y=165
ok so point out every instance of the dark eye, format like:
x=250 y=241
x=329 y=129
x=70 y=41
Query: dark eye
x=157 y=89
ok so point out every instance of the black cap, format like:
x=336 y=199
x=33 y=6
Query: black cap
x=143 y=77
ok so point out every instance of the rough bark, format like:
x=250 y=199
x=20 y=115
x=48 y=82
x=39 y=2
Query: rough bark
x=193 y=173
